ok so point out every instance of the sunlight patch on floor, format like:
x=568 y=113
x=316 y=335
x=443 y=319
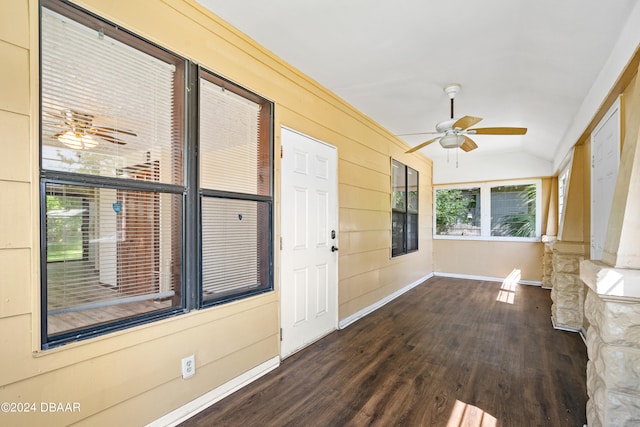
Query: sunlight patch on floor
x=507 y=292
x=464 y=414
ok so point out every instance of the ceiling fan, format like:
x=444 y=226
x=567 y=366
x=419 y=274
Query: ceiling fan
x=456 y=130
x=80 y=133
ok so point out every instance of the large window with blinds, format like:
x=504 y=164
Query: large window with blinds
x=155 y=200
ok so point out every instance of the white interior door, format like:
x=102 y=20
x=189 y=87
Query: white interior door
x=605 y=160
x=309 y=210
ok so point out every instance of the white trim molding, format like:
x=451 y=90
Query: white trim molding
x=192 y=408
x=373 y=307
x=486 y=278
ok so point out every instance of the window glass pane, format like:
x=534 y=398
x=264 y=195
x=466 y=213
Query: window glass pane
x=513 y=210
x=412 y=190
x=235 y=247
x=105 y=105
x=67 y=222
x=398 y=233
x=458 y=212
x=231 y=148
x=412 y=232
x=398 y=186
x=563 y=180
x=131 y=255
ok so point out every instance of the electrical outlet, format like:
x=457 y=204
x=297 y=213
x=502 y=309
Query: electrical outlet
x=188 y=366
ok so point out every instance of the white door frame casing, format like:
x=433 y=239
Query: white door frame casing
x=307 y=243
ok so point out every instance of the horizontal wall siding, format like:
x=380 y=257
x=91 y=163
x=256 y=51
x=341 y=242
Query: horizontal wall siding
x=132 y=377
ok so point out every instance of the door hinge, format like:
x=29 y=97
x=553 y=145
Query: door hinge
x=281 y=151
x=280 y=334
x=280 y=242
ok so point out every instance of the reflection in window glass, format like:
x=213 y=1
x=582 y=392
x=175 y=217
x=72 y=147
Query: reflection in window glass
x=513 y=210
x=109 y=255
x=67 y=219
x=458 y=212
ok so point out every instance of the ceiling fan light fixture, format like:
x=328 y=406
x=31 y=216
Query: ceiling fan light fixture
x=451 y=140
x=77 y=141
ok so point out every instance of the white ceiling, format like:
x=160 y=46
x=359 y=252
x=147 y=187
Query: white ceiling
x=533 y=64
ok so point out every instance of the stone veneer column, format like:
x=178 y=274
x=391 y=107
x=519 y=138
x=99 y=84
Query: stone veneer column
x=547 y=261
x=613 y=344
x=567 y=291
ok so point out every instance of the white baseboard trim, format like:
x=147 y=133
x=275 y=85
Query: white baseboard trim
x=373 y=307
x=583 y=335
x=190 y=409
x=486 y=278
x=563 y=328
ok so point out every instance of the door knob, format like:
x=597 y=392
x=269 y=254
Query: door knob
x=333 y=249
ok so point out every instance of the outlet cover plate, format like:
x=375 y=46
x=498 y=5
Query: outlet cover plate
x=188 y=367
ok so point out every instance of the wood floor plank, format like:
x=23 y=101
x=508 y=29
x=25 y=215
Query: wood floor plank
x=451 y=352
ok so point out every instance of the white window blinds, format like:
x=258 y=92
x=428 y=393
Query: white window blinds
x=229 y=140
x=105 y=105
x=233 y=169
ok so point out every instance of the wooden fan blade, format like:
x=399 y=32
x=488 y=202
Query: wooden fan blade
x=468 y=144
x=465 y=122
x=497 y=131
x=109 y=138
x=114 y=130
x=419 y=133
x=424 y=144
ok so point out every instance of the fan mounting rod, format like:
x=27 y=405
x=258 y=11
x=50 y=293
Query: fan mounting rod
x=452 y=90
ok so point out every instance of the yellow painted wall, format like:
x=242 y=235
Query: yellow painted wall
x=490 y=258
x=133 y=377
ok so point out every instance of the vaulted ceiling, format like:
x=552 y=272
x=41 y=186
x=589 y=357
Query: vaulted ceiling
x=545 y=65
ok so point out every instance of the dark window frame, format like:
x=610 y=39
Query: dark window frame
x=186 y=105
x=265 y=158
x=404 y=240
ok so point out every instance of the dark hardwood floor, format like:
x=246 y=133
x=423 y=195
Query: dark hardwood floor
x=450 y=352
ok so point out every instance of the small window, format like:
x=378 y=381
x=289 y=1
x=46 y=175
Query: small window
x=404 y=207
x=498 y=211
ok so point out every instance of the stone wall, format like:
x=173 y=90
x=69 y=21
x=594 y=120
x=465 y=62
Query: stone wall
x=547 y=262
x=613 y=344
x=613 y=370
x=567 y=293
